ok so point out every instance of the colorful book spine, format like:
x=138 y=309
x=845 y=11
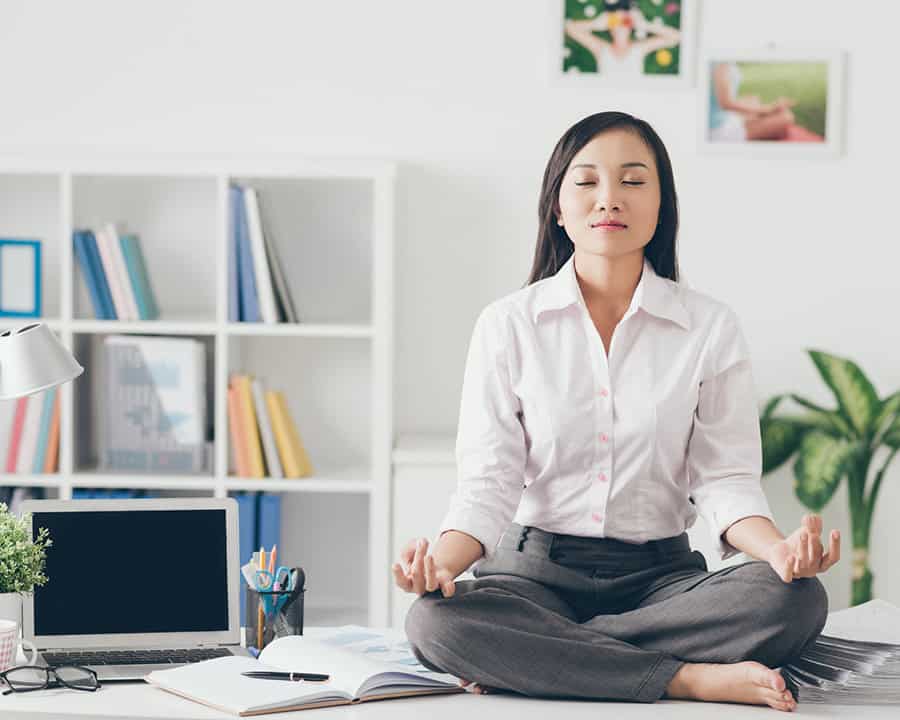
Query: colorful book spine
x=15 y=438
x=30 y=432
x=235 y=200
x=140 y=279
x=249 y=298
x=87 y=273
x=51 y=461
x=117 y=288
x=294 y=459
x=273 y=463
x=251 y=429
x=263 y=274
x=37 y=466
x=236 y=430
x=128 y=291
x=93 y=251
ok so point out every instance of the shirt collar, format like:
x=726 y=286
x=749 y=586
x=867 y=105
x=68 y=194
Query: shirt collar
x=653 y=294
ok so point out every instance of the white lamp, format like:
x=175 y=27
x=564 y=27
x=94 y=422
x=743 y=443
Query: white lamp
x=33 y=359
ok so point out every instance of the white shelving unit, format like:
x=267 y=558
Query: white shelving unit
x=332 y=222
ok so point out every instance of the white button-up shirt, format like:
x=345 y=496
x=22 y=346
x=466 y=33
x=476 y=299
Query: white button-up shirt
x=555 y=434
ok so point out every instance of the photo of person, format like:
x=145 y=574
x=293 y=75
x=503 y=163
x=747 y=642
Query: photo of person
x=623 y=39
x=747 y=102
x=772 y=99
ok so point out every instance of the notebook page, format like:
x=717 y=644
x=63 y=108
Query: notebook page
x=219 y=683
x=874 y=621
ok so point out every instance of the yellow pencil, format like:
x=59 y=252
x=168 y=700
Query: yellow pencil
x=260 y=621
x=262 y=558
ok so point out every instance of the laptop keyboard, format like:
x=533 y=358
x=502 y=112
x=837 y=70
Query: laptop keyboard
x=133 y=657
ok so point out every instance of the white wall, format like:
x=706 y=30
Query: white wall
x=458 y=94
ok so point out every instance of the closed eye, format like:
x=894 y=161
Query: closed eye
x=624 y=182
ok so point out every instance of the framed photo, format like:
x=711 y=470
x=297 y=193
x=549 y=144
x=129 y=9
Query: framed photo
x=772 y=101
x=20 y=278
x=623 y=43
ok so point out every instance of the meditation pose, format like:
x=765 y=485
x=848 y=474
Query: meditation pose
x=604 y=405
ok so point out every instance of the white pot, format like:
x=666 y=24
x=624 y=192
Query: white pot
x=11 y=607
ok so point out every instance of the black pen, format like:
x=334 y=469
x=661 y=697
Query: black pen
x=293 y=676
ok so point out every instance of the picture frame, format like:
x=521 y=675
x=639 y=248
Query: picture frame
x=640 y=59
x=803 y=91
x=20 y=278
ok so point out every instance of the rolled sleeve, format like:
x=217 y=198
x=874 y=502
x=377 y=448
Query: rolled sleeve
x=490 y=443
x=725 y=449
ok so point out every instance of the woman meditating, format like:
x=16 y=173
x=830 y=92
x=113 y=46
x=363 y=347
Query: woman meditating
x=604 y=405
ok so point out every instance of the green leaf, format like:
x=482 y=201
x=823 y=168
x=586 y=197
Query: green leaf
x=771 y=405
x=821 y=463
x=892 y=437
x=855 y=395
x=829 y=420
x=780 y=439
x=888 y=416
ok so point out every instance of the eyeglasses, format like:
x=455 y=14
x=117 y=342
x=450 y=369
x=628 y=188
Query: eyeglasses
x=26 y=678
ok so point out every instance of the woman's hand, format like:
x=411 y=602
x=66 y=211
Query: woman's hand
x=419 y=573
x=801 y=554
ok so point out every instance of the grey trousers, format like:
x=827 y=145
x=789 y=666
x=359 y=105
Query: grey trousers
x=553 y=615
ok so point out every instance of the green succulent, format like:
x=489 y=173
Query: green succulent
x=21 y=559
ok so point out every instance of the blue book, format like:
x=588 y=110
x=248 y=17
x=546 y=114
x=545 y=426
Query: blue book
x=140 y=280
x=87 y=272
x=109 y=311
x=44 y=432
x=235 y=200
x=249 y=297
x=269 y=526
x=246 y=537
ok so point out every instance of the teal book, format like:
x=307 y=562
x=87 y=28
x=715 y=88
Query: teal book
x=140 y=279
x=44 y=431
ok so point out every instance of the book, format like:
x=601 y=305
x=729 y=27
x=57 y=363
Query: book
x=89 y=274
x=283 y=297
x=235 y=427
x=855 y=660
x=261 y=269
x=273 y=463
x=293 y=455
x=15 y=435
x=117 y=285
x=235 y=199
x=30 y=431
x=118 y=259
x=96 y=262
x=249 y=426
x=246 y=538
x=268 y=528
x=140 y=279
x=249 y=301
x=51 y=459
x=40 y=453
x=356 y=674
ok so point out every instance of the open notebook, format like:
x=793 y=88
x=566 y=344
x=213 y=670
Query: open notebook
x=364 y=664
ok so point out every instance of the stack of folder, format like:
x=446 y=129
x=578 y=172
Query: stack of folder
x=265 y=441
x=115 y=273
x=29 y=431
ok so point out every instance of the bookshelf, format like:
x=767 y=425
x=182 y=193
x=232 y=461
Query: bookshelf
x=332 y=222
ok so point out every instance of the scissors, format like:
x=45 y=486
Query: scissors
x=269 y=582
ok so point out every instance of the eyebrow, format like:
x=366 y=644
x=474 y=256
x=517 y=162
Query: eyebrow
x=624 y=165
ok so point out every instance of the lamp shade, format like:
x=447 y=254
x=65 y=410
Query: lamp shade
x=33 y=359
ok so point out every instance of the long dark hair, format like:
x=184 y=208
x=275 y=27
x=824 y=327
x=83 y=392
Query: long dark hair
x=554 y=247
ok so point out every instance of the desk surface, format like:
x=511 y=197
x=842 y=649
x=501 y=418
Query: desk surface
x=138 y=701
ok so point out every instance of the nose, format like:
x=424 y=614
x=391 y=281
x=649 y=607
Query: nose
x=607 y=204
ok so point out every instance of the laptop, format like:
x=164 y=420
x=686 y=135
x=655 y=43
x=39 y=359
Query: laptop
x=136 y=585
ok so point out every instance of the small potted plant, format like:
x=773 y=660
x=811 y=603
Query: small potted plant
x=21 y=562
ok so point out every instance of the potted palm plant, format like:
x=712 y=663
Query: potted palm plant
x=833 y=444
x=21 y=562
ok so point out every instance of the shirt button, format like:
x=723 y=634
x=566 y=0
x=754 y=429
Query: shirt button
x=604 y=392
x=604 y=437
x=597 y=517
x=602 y=477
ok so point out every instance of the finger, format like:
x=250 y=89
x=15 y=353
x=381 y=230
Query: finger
x=815 y=550
x=400 y=578
x=418 y=570
x=788 y=570
x=430 y=572
x=448 y=587
x=809 y=522
x=834 y=551
x=407 y=554
x=803 y=549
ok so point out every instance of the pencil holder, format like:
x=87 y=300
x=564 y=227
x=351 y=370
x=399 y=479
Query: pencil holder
x=272 y=614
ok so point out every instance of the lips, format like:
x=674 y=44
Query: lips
x=609 y=224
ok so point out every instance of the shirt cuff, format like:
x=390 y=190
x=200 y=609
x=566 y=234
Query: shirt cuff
x=728 y=512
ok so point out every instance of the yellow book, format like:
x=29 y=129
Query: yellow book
x=293 y=455
x=241 y=383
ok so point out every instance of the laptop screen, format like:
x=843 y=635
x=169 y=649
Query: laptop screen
x=134 y=571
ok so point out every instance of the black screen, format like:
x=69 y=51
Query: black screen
x=134 y=571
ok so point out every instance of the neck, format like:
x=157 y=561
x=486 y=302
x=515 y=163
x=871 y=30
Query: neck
x=611 y=281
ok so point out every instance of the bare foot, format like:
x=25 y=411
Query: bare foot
x=476 y=688
x=743 y=682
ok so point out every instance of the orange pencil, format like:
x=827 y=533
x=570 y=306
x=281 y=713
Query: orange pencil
x=272 y=555
x=260 y=621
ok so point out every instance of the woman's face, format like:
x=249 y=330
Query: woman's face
x=609 y=197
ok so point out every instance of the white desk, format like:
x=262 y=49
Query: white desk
x=139 y=701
